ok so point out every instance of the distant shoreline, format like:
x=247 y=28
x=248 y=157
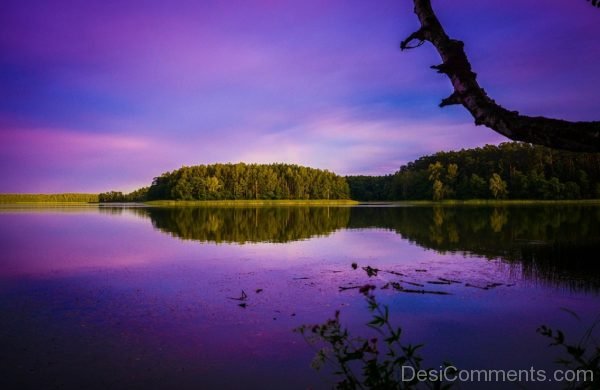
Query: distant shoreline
x=7 y=200
x=300 y=202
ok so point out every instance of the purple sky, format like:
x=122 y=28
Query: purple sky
x=105 y=94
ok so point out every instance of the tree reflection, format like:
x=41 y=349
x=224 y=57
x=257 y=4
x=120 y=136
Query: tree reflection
x=558 y=244
x=243 y=225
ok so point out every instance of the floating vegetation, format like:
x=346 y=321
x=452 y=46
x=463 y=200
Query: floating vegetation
x=398 y=284
x=438 y=282
x=424 y=292
x=344 y=288
x=395 y=273
x=412 y=283
x=450 y=281
x=242 y=297
x=370 y=270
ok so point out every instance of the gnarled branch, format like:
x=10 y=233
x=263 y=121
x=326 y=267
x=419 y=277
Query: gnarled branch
x=555 y=133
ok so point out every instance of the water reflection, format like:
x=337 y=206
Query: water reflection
x=554 y=243
x=108 y=299
x=557 y=244
x=242 y=225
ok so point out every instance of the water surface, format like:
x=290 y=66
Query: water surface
x=142 y=297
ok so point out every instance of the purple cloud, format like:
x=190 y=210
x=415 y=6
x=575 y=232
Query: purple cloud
x=98 y=95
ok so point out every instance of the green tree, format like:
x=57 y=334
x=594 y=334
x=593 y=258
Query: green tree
x=571 y=190
x=435 y=174
x=213 y=185
x=478 y=186
x=451 y=176
x=555 y=188
x=520 y=185
x=438 y=190
x=435 y=171
x=498 y=186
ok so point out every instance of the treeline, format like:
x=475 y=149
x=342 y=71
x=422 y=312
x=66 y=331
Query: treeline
x=239 y=181
x=370 y=188
x=508 y=171
x=66 y=197
x=139 y=195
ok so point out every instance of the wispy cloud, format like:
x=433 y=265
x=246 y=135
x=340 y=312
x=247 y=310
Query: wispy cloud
x=42 y=159
x=97 y=95
x=348 y=144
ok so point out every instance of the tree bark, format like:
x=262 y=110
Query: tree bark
x=554 y=133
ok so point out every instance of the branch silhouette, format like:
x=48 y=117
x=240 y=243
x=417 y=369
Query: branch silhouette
x=555 y=133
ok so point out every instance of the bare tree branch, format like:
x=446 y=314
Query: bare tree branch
x=555 y=133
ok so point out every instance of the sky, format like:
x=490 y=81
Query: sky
x=104 y=95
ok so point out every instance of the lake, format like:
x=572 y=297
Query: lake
x=148 y=297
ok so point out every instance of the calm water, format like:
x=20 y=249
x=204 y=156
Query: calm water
x=141 y=297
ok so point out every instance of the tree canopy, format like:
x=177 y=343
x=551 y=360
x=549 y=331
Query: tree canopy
x=239 y=182
x=248 y=181
x=510 y=170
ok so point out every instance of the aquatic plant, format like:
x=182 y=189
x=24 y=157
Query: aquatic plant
x=367 y=363
x=583 y=356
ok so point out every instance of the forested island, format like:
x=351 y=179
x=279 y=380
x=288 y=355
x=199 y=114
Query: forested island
x=240 y=182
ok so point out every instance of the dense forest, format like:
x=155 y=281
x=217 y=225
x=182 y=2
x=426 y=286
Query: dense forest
x=511 y=170
x=371 y=188
x=240 y=181
x=508 y=171
x=139 y=195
